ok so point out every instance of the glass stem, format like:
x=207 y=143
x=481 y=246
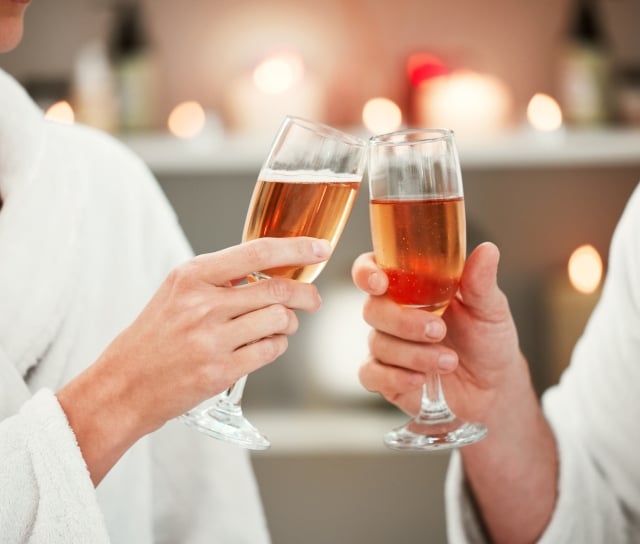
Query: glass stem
x=231 y=400
x=433 y=407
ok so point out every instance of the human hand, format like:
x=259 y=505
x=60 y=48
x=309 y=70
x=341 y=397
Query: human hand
x=198 y=334
x=474 y=346
x=485 y=377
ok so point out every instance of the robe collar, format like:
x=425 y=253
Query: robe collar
x=39 y=226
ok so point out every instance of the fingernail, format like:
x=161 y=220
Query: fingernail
x=375 y=282
x=321 y=248
x=446 y=361
x=434 y=329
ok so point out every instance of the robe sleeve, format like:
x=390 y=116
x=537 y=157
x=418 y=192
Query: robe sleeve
x=587 y=509
x=46 y=492
x=594 y=413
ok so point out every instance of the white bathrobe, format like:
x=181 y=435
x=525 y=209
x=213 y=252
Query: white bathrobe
x=595 y=414
x=86 y=236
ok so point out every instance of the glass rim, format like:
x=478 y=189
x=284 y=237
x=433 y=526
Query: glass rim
x=325 y=130
x=401 y=137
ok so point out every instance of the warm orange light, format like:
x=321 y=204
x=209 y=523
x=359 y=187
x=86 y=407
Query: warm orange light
x=544 y=113
x=186 y=120
x=466 y=101
x=585 y=269
x=60 y=112
x=278 y=73
x=381 y=115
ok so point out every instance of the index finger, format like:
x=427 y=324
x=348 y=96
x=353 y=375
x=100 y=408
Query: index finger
x=413 y=324
x=238 y=261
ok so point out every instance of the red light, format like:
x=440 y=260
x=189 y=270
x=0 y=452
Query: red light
x=424 y=66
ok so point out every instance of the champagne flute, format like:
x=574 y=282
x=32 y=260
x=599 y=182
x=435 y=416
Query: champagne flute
x=306 y=187
x=419 y=239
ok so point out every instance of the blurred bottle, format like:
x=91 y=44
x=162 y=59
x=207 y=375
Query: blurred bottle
x=135 y=71
x=93 y=88
x=628 y=94
x=585 y=82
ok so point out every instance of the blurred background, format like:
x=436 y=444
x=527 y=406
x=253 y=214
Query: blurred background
x=544 y=97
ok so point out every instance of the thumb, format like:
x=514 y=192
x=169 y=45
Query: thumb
x=367 y=276
x=479 y=285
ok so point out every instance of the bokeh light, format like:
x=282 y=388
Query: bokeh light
x=60 y=112
x=381 y=115
x=278 y=73
x=585 y=269
x=187 y=119
x=424 y=66
x=465 y=101
x=544 y=113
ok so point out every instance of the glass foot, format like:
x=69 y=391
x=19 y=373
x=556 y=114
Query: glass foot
x=228 y=426
x=422 y=434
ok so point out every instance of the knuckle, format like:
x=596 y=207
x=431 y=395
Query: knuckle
x=396 y=383
x=413 y=323
x=303 y=248
x=280 y=317
x=364 y=376
x=258 y=252
x=212 y=345
x=206 y=352
x=421 y=360
x=374 y=342
x=367 y=309
x=273 y=347
x=203 y=350
x=280 y=289
x=212 y=372
x=293 y=323
x=182 y=275
x=206 y=374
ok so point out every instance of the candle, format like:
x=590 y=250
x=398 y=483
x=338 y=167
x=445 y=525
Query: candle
x=466 y=101
x=278 y=86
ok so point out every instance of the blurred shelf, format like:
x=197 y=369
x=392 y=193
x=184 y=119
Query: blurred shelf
x=345 y=431
x=167 y=155
x=519 y=149
x=610 y=147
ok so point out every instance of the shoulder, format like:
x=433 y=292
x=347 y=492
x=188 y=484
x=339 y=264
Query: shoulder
x=82 y=143
x=120 y=191
x=105 y=168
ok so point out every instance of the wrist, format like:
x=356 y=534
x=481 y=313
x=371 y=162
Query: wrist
x=513 y=472
x=97 y=409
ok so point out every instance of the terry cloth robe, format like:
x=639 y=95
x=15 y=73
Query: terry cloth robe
x=86 y=237
x=595 y=414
